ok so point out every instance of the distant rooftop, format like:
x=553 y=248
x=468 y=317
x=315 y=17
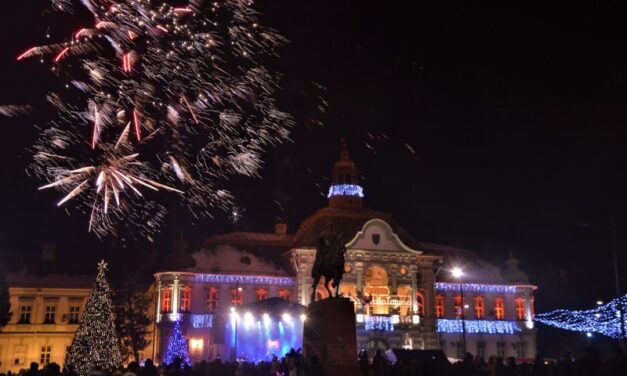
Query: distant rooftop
x=26 y=280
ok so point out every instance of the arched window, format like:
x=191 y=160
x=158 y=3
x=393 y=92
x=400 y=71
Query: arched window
x=211 y=303
x=166 y=300
x=262 y=294
x=237 y=296
x=376 y=286
x=439 y=306
x=479 y=307
x=420 y=304
x=457 y=299
x=520 y=308
x=284 y=294
x=186 y=299
x=499 y=308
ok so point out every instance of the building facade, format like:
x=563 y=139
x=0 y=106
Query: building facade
x=46 y=312
x=404 y=293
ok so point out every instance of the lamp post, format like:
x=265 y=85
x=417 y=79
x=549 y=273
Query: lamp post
x=458 y=274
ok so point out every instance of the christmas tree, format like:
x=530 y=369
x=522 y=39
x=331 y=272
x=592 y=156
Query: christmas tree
x=177 y=347
x=95 y=343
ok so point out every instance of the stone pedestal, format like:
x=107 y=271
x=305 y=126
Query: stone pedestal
x=330 y=334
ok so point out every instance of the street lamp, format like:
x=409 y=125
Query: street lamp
x=458 y=273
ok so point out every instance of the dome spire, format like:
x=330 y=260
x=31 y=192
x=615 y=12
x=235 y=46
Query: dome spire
x=345 y=191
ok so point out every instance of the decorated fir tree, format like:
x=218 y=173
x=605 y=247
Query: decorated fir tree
x=177 y=347
x=95 y=343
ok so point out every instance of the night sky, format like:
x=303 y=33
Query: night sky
x=489 y=127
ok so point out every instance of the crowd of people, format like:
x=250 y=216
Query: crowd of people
x=588 y=362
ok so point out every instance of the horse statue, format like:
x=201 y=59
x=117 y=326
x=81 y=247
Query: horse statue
x=329 y=262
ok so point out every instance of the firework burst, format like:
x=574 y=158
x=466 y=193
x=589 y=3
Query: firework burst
x=166 y=98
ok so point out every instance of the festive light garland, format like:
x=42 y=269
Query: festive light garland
x=475 y=287
x=345 y=190
x=202 y=320
x=384 y=323
x=478 y=326
x=604 y=319
x=177 y=347
x=245 y=279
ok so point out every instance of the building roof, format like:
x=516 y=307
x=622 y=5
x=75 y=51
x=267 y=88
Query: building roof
x=261 y=239
x=25 y=280
x=346 y=221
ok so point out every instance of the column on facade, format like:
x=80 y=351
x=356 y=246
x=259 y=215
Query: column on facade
x=414 y=288
x=159 y=292
x=427 y=288
x=304 y=286
x=359 y=275
x=175 y=295
x=528 y=309
x=394 y=283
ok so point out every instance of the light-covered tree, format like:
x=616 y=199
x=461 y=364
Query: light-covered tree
x=95 y=343
x=177 y=347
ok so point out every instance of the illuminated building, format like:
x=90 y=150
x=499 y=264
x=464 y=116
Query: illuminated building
x=45 y=314
x=403 y=290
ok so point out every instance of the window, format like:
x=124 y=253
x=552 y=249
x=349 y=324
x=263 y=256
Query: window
x=49 y=314
x=25 y=312
x=262 y=294
x=420 y=304
x=459 y=346
x=458 y=306
x=500 y=350
x=479 y=307
x=520 y=308
x=211 y=303
x=520 y=350
x=439 y=306
x=285 y=294
x=75 y=312
x=186 y=299
x=46 y=351
x=166 y=300
x=19 y=355
x=481 y=349
x=499 y=308
x=237 y=296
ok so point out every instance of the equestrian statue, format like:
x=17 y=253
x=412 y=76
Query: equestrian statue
x=329 y=262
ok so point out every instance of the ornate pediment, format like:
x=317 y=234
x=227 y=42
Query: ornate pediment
x=377 y=235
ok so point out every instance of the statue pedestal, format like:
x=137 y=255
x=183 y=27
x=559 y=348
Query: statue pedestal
x=330 y=334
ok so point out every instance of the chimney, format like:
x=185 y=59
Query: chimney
x=280 y=229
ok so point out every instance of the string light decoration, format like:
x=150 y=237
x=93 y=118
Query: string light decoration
x=177 y=347
x=95 y=343
x=245 y=279
x=202 y=321
x=476 y=287
x=345 y=190
x=605 y=319
x=384 y=323
x=478 y=326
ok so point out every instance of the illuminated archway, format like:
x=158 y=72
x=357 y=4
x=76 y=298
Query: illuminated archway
x=376 y=287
